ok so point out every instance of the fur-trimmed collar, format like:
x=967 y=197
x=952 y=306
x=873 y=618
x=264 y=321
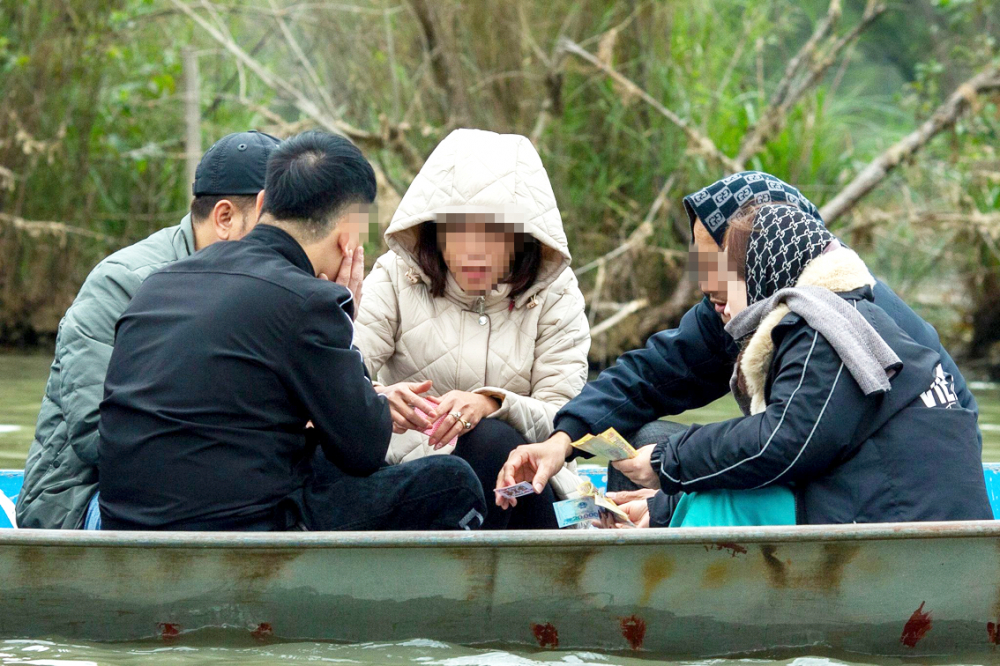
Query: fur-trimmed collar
x=839 y=270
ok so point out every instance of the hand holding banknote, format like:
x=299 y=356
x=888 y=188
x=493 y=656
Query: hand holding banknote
x=635 y=505
x=639 y=469
x=534 y=463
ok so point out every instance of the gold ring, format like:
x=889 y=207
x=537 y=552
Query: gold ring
x=465 y=424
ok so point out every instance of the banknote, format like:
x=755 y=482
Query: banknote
x=603 y=502
x=516 y=490
x=575 y=511
x=609 y=444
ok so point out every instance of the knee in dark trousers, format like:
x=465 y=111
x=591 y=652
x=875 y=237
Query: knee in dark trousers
x=651 y=433
x=433 y=493
x=452 y=495
x=487 y=447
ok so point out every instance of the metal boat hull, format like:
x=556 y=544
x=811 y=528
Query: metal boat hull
x=907 y=589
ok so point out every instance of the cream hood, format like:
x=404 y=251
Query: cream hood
x=478 y=171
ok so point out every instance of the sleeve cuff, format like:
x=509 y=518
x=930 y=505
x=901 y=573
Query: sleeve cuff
x=661 y=509
x=662 y=454
x=572 y=426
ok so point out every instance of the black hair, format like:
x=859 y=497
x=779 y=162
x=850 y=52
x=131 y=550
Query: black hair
x=312 y=177
x=203 y=205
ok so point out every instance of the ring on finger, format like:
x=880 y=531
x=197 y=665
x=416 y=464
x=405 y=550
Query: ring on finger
x=465 y=424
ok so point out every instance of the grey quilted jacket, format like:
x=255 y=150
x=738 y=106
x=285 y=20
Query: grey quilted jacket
x=60 y=475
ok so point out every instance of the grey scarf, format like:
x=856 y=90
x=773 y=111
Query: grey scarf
x=867 y=356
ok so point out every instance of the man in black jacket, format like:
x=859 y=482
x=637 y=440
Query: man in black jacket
x=689 y=366
x=235 y=400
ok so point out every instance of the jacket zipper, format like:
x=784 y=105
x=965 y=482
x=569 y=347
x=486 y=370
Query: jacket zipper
x=480 y=308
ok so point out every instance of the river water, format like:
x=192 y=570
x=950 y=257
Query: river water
x=22 y=382
x=418 y=652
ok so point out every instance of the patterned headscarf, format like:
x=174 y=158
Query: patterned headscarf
x=716 y=204
x=783 y=241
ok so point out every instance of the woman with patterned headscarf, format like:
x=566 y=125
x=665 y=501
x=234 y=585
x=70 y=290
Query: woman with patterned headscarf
x=846 y=418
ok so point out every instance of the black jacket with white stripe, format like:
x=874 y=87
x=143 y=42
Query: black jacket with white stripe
x=911 y=454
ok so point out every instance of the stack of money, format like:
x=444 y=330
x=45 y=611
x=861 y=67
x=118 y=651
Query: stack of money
x=608 y=444
x=588 y=507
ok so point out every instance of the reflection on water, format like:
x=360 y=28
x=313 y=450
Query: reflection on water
x=419 y=651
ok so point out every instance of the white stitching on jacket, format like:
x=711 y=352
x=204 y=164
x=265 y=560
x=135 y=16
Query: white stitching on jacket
x=767 y=444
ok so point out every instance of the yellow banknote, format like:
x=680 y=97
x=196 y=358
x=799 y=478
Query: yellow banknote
x=609 y=444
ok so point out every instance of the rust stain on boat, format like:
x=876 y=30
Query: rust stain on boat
x=480 y=570
x=716 y=575
x=993 y=632
x=168 y=630
x=836 y=557
x=263 y=631
x=546 y=635
x=655 y=570
x=634 y=631
x=826 y=576
x=775 y=567
x=258 y=567
x=733 y=548
x=916 y=627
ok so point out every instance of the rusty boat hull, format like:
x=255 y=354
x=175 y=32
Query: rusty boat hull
x=915 y=589
x=892 y=589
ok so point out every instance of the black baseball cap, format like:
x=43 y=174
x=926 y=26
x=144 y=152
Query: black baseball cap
x=236 y=164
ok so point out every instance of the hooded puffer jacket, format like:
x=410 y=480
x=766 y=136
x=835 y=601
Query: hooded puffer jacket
x=530 y=353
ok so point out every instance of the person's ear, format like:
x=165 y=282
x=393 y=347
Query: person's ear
x=259 y=203
x=222 y=219
x=344 y=237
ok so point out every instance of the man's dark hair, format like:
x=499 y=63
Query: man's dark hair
x=313 y=177
x=203 y=205
x=524 y=272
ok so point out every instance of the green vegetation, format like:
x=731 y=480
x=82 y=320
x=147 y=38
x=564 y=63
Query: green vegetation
x=92 y=126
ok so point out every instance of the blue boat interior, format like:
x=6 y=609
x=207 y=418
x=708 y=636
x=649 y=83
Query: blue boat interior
x=11 y=479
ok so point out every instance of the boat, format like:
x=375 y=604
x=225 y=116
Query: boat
x=908 y=589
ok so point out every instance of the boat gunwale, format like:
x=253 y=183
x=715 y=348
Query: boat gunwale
x=523 y=538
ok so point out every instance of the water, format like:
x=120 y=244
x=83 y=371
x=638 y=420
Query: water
x=420 y=652
x=22 y=383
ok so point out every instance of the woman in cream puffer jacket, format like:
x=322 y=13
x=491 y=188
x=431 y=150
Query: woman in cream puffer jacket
x=496 y=361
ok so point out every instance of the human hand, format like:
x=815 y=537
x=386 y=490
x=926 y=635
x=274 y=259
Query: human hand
x=536 y=463
x=403 y=398
x=639 y=470
x=473 y=408
x=635 y=506
x=351 y=274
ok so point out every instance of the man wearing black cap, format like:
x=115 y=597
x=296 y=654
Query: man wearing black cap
x=60 y=475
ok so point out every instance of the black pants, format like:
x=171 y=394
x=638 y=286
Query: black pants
x=433 y=493
x=486 y=449
x=661 y=505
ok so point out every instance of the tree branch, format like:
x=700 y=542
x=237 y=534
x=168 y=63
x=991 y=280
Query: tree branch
x=806 y=53
x=792 y=87
x=36 y=228
x=618 y=317
x=637 y=237
x=943 y=118
x=305 y=106
x=702 y=144
x=296 y=48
